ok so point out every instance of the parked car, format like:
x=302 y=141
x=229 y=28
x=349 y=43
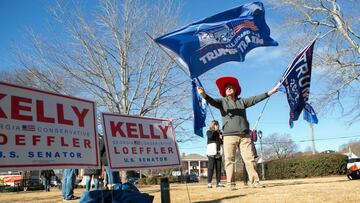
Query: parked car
x=32 y=184
x=353 y=161
x=353 y=167
x=190 y=178
x=78 y=180
x=55 y=181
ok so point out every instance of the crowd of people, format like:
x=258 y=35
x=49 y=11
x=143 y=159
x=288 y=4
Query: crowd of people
x=109 y=177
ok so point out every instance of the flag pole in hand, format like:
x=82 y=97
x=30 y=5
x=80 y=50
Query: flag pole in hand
x=171 y=57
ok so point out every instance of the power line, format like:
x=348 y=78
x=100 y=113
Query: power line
x=320 y=139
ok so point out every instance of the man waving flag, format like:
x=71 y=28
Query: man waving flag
x=296 y=81
x=226 y=36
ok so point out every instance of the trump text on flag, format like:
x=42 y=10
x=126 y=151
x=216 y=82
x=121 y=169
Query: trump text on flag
x=139 y=142
x=297 y=80
x=223 y=37
x=42 y=129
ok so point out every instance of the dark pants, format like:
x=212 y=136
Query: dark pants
x=46 y=183
x=214 y=164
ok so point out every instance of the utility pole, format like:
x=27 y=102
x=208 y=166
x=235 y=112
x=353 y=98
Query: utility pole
x=260 y=133
x=312 y=138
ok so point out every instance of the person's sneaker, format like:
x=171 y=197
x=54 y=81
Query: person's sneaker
x=209 y=185
x=72 y=198
x=219 y=185
x=257 y=185
x=75 y=197
x=231 y=187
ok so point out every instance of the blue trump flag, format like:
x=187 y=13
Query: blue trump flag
x=296 y=81
x=199 y=107
x=309 y=114
x=226 y=36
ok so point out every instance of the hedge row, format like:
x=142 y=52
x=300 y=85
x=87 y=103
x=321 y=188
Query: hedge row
x=289 y=168
x=305 y=166
x=156 y=180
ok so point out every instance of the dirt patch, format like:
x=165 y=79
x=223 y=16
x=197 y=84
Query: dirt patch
x=327 y=189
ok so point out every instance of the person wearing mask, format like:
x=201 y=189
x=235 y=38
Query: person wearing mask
x=235 y=125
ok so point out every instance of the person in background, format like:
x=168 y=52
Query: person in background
x=46 y=177
x=214 y=152
x=113 y=177
x=235 y=125
x=96 y=173
x=68 y=184
x=89 y=175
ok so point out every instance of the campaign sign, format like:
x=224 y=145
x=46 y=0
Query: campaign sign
x=139 y=142
x=40 y=129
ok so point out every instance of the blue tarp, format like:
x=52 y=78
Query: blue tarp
x=115 y=196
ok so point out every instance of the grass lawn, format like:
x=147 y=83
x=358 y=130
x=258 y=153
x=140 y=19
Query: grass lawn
x=326 y=189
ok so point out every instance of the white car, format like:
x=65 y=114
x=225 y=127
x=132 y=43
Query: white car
x=353 y=167
x=353 y=161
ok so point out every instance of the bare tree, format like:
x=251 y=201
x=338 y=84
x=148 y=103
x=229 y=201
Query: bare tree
x=352 y=146
x=278 y=146
x=25 y=77
x=308 y=151
x=337 y=52
x=106 y=57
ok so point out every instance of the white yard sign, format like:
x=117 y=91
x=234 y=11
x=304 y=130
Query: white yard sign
x=139 y=142
x=40 y=129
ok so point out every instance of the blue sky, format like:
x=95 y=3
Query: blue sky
x=259 y=73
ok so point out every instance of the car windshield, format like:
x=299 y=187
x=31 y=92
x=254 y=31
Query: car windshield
x=354 y=160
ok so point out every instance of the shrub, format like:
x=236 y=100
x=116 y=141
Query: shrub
x=151 y=181
x=173 y=179
x=156 y=180
x=142 y=181
x=306 y=166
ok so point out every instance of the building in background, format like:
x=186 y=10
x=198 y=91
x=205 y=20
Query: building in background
x=194 y=164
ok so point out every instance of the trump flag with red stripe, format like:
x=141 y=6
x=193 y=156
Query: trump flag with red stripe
x=226 y=36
